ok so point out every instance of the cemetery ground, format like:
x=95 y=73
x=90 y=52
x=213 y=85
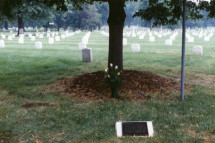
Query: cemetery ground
x=34 y=108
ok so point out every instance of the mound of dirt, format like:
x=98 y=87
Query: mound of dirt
x=135 y=85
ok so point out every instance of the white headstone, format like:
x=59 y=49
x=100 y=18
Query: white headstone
x=48 y=34
x=51 y=40
x=21 y=31
x=2 y=45
x=151 y=38
x=133 y=34
x=125 y=41
x=135 y=47
x=33 y=38
x=63 y=36
x=13 y=35
x=38 y=45
x=21 y=40
x=160 y=36
x=10 y=38
x=87 y=55
x=41 y=36
x=3 y=36
x=82 y=45
x=191 y=39
x=168 y=42
x=197 y=50
x=141 y=37
x=206 y=38
x=57 y=38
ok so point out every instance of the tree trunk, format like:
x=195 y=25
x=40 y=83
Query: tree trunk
x=151 y=25
x=20 y=24
x=46 y=26
x=6 y=26
x=116 y=22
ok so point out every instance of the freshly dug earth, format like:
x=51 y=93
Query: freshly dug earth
x=136 y=85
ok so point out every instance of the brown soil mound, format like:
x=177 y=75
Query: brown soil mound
x=135 y=85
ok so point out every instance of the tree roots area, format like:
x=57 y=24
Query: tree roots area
x=136 y=85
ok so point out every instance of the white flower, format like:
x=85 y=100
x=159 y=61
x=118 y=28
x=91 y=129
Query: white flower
x=111 y=65
x=105 y=70
x=116 y=67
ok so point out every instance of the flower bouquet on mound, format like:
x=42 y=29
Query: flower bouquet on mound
x=113 y=79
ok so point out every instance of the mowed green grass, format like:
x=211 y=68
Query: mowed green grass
x=26 y=73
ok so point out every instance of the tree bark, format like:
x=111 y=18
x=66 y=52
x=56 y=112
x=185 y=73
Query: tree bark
x=116 y=22
x=46 y=26
x=20 y=24
x=151 y=25
x=6 y=26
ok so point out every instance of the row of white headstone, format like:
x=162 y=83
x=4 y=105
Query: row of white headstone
x=85 y=39
x=197 y=50
x=38 y=44
x=87 y=55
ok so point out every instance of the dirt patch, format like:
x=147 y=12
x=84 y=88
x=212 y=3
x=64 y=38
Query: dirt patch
x=208 y=137
x=202 y=79
x=37 y=104
x=136 y=85
x=1 y=102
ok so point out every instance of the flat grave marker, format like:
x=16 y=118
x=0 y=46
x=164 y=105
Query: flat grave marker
x=134 y=128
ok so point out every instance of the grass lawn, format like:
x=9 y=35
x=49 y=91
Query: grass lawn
x=26 y=73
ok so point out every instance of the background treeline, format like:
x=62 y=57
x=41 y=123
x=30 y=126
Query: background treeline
x=90 y=18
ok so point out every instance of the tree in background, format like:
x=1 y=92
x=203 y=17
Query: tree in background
x=87 y=19
x=90 y=18
x=168 y=12
x=103 y=9
x=130 y=9
x=60 y=19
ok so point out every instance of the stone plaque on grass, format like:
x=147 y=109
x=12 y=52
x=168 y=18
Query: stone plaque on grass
x=135 y=129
